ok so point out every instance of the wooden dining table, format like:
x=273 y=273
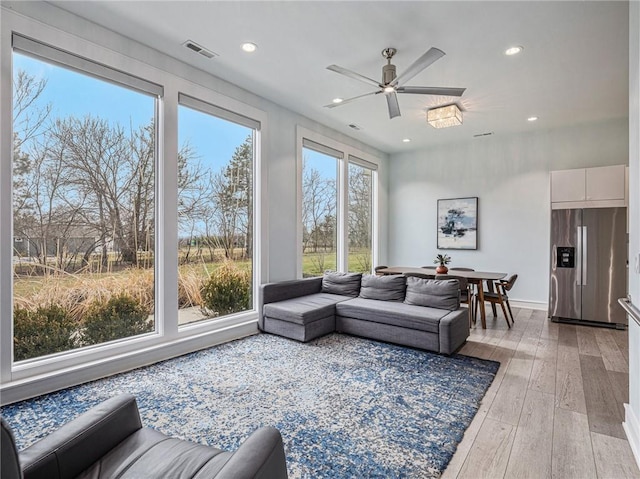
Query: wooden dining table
x=474 y=277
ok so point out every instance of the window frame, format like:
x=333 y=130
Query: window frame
x=256 y=126
x=40 y=375
x=348 y=154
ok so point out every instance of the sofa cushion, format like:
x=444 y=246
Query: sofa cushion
x=383 y=288
x=305 y=309
x=393 y=313
x=346 y=284
x=435 y=293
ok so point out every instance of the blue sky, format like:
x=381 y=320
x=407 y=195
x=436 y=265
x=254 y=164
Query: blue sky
x=71 y=93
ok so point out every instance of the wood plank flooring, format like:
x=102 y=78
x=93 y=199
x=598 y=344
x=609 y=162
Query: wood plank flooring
x=555 y=408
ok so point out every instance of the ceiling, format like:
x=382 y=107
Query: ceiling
x=574 y=67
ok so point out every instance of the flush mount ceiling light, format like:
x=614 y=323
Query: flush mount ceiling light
x=445 y=116
x=513 y=50
x=249 y=47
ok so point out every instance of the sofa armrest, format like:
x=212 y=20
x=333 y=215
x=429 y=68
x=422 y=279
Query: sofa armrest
x=74 y=447
x=453 y=330
x=274 y=292
x=260 y=456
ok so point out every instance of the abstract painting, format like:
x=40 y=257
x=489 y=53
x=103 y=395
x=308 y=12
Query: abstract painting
x=458 y=223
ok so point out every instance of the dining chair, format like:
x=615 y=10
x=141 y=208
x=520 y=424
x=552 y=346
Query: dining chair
x=466 y=294
x=500 y=296
x=378 y=268
x=472 y=285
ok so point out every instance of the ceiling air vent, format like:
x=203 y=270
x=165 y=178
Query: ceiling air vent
x=354 y=126
x=191 y=45
x=480 y=135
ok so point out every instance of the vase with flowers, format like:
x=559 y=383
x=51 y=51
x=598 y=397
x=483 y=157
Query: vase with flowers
x=442 y=260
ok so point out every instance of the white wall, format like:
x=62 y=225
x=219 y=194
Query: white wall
x=632 y=409
x=510 y=176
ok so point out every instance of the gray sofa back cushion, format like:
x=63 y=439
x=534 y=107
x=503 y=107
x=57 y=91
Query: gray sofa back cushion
x=436 y=293
x=384 y=288
x=345 y=284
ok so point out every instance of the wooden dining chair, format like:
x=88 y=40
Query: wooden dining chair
x=500 y=296
x=472 y=285
x=466 y=296
x=378 y=268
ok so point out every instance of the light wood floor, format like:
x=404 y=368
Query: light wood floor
x=555 y=408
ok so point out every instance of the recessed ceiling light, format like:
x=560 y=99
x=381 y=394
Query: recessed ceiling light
x=406 y=140
x=532 y=118
x=249 y=47
x=513 y=50
x=337 y=100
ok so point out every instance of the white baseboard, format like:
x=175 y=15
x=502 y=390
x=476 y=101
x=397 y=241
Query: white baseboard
x=632 y=429
x=537 y=305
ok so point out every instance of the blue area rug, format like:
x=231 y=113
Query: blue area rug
x=346 y=407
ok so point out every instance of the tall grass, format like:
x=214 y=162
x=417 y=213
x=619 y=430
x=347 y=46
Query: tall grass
x=75 y=293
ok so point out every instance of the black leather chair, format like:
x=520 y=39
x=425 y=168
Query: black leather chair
x=108 y=441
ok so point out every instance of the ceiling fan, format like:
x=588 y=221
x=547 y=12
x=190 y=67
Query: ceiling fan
x=392 y=84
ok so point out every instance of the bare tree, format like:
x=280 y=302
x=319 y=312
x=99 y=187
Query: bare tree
x=233 y=202
x=318 y=203
x=360 y=218
x=29 y=118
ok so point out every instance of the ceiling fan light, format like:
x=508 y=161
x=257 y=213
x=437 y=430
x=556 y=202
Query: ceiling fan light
x=445 y=116
x=337 y=100
x=389 y=89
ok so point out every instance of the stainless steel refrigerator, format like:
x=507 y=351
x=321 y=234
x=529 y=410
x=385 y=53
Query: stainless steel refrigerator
x=588 y=266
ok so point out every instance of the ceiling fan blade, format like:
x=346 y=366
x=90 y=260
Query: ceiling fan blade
x=354 y=75
x=392 y=103
x=427 y=90
x=420 y=64
x=348 y=100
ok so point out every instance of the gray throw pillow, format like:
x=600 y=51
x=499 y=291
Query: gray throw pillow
x=435 y=293
x=345 y=284
x=384 y=288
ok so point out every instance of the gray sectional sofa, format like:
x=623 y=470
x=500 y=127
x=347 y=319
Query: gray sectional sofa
x=410 y=311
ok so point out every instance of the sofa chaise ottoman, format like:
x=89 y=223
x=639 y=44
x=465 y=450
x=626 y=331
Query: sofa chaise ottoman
x=410 y=311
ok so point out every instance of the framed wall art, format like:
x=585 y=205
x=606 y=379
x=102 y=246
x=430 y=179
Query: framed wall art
x=458 y=223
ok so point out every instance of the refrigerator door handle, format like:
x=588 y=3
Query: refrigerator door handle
x=584 y=256
x=579 y=255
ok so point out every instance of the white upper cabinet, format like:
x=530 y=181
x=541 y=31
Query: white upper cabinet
x=589 y=187
x=568 y=185
x=605 y=183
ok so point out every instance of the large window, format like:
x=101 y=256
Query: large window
x=129 y=231
x=84 y=156
x=337 y=210
x=360 y=216
x=215 y=211
x=319 y=209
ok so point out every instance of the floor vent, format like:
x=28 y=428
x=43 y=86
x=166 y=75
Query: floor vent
x=199 y=49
